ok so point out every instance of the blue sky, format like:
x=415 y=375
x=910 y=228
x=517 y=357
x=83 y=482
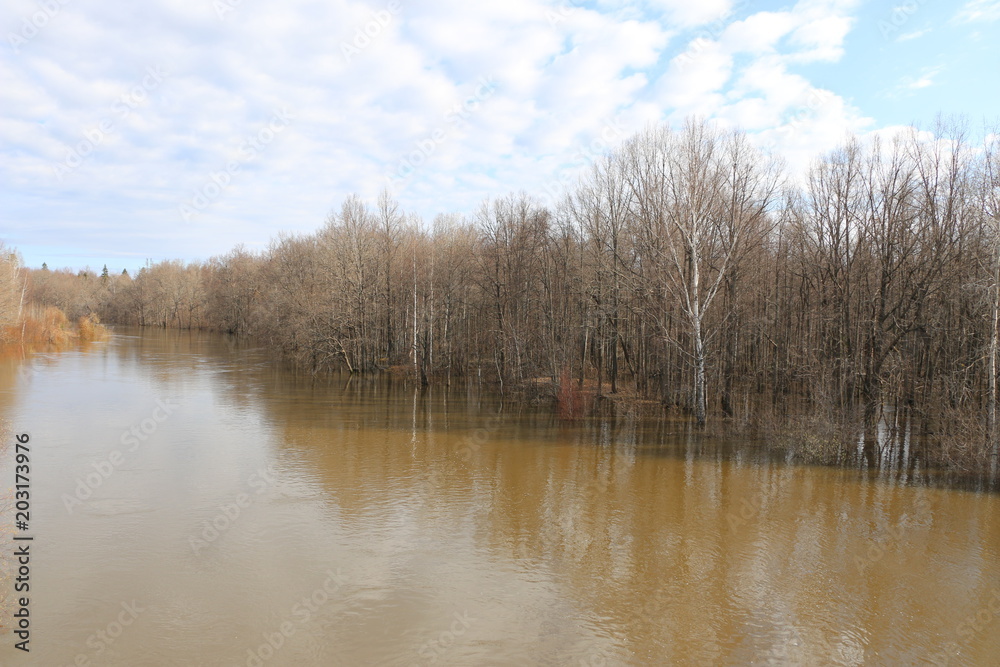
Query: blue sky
x=175 y=129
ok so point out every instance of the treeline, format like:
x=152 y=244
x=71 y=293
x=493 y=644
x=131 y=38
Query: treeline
x=686 y=267
x=25 y=323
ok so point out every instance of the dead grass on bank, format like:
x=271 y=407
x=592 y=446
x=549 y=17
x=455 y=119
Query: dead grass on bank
x=49 y=326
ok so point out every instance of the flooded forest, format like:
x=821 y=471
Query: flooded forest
x=845 y=316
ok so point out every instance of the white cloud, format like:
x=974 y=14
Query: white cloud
x=905 y=37
x=694 y=80
x=686 y=14
x=564 y=73
x=745 y=79
x=925 y=80
x=759 y=32
x=822 y=38
x=978 y=11
x=910 y=84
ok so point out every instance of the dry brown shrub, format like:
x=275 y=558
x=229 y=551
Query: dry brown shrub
x=571 y=402
x=960 y=441
x=90 y=328
x=44 y=326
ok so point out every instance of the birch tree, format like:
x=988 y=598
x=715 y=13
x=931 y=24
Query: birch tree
x=989 y=197
x=699 y=197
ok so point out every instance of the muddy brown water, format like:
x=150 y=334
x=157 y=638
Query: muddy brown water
x=256 y=516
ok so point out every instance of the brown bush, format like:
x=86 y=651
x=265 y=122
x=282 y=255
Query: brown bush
x=43 y=326
x=90 y=328
x=570 y=399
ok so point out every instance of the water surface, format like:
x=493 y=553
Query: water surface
x=258 y=516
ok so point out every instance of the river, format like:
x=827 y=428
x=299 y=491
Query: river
x=194 y=502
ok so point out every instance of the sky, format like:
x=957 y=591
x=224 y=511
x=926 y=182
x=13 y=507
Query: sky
x=177 y=129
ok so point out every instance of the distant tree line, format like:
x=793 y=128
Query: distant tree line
x=685 y=267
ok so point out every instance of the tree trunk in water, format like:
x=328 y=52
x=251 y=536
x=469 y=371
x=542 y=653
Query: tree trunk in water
x=991 y=379
x=873 y=410
x=599 y=353
x=699 y=375
x=729 y=365
x=613 y=348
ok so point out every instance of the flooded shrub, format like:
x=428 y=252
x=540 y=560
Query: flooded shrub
x=49 y=325
x=46 y=325
x=812 y=438
x=571 y=402
x=959 y=440
x=90 y=328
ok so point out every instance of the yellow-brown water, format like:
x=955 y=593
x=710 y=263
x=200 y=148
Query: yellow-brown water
x=258 y=517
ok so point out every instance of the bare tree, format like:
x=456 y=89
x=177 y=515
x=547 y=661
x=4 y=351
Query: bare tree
x=989 y=198
x=699 y=197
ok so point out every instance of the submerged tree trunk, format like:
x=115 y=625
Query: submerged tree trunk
x=729 y=362
x=991 y=378
x=699 y=343
x=699 y=377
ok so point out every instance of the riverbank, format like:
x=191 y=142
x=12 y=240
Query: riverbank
x=48 y=326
